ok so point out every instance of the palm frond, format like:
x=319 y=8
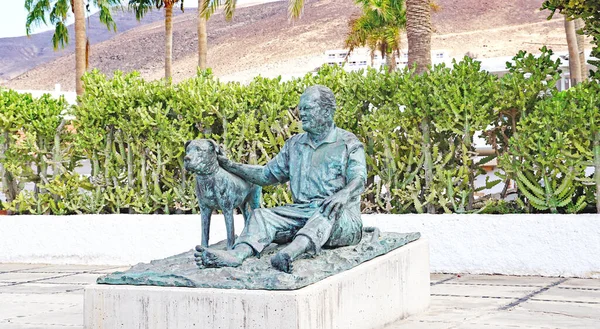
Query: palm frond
x=379 y=27
x=59 y=12
x=209 y=7
x=61 y=36
x=229 y=8
x=142 y=7
x=435 y=7
x=295 y=8
x=105 y=14
x=36 y=13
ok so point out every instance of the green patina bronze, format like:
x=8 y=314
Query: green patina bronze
x=257 y=273
x=326 y=170
x=217 y=188
x=321 y=232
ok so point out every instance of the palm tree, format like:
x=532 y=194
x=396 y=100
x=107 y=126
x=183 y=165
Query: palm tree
x=574 y=63
x=202 y=36
x=379 y=28
x=579 y=26
x=142 y=7
x=418 y=33
x=205 y=9
x=58 y=13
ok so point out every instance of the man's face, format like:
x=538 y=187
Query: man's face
x=315 y=120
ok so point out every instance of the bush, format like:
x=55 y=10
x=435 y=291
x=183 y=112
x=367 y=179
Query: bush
x=418 y=133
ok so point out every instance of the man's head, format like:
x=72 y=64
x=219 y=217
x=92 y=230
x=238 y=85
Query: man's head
x=317 y=107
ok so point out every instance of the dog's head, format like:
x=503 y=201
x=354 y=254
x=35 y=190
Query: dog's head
x=201 y=156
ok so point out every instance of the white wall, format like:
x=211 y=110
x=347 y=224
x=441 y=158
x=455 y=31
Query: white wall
x=547 y=245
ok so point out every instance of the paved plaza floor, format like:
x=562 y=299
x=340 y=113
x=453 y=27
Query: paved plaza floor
x=51 y=297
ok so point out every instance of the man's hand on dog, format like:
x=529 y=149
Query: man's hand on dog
x=223 y=161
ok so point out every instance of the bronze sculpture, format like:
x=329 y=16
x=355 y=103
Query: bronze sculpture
x=326 y=171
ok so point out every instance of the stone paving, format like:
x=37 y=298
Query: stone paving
x=51 y=297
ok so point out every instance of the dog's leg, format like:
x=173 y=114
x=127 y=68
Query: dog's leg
x=246 y=211
x=205 y=213
x=228 y=214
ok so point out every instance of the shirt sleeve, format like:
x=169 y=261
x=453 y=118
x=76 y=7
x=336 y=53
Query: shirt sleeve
x=357 y=166
x=279 y=166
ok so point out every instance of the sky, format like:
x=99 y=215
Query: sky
x=13 y=16
x=12 y=19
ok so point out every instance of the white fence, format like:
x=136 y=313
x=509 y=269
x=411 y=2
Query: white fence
x=70 y=97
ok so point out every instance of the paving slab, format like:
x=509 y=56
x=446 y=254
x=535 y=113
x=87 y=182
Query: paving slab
x=36 y=288
x=447 y=315
x=521 y=318
x=499 y=326
x=30 y=298
x=69 y=268
x=458 y=303
x=110 y=270
x=503 y=280
x=416 y=324
x=85 y=278
x=481 y=291
x=63 y=316
x=576 y=310
x=10 y=325
x=573 y=295
x=12 y=311
x=582 y=283
x=437 y=277
x=8 y=267
x=468 y=303
x=14 y=277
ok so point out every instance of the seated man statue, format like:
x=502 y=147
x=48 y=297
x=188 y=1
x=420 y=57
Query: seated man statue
x=326 y=170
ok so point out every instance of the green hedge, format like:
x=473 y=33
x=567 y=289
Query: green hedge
x=418 y=132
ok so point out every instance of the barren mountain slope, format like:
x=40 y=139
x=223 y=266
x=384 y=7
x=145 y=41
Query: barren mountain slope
x=261 y=40
x=20 y=54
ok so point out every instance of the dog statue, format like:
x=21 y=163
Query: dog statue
x=216 y=188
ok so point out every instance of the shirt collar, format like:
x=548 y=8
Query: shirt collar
x=331 y=138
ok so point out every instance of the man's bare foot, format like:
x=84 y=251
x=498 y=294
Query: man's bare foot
x=282 y=262
x=218 y=258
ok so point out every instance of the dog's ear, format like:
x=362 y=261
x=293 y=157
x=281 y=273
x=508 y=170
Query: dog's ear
x=186 y=145
x=217 y=148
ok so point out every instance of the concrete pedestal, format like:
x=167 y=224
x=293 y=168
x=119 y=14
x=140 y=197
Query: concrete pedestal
x=369 y=296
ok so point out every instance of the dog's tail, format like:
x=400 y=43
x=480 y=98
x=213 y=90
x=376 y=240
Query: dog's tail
x=255 y=197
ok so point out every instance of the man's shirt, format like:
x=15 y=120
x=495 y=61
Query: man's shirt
x=316 y=172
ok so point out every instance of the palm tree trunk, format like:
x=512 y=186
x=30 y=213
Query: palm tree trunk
x=202 y=37
x=168 y=40
x=390 y=61
x=418 y=32
x=80 y=44
x=574 y=67
x=579 y=24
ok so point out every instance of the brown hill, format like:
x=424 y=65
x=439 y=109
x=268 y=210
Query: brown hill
x=261 y=40
x=21 y=54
